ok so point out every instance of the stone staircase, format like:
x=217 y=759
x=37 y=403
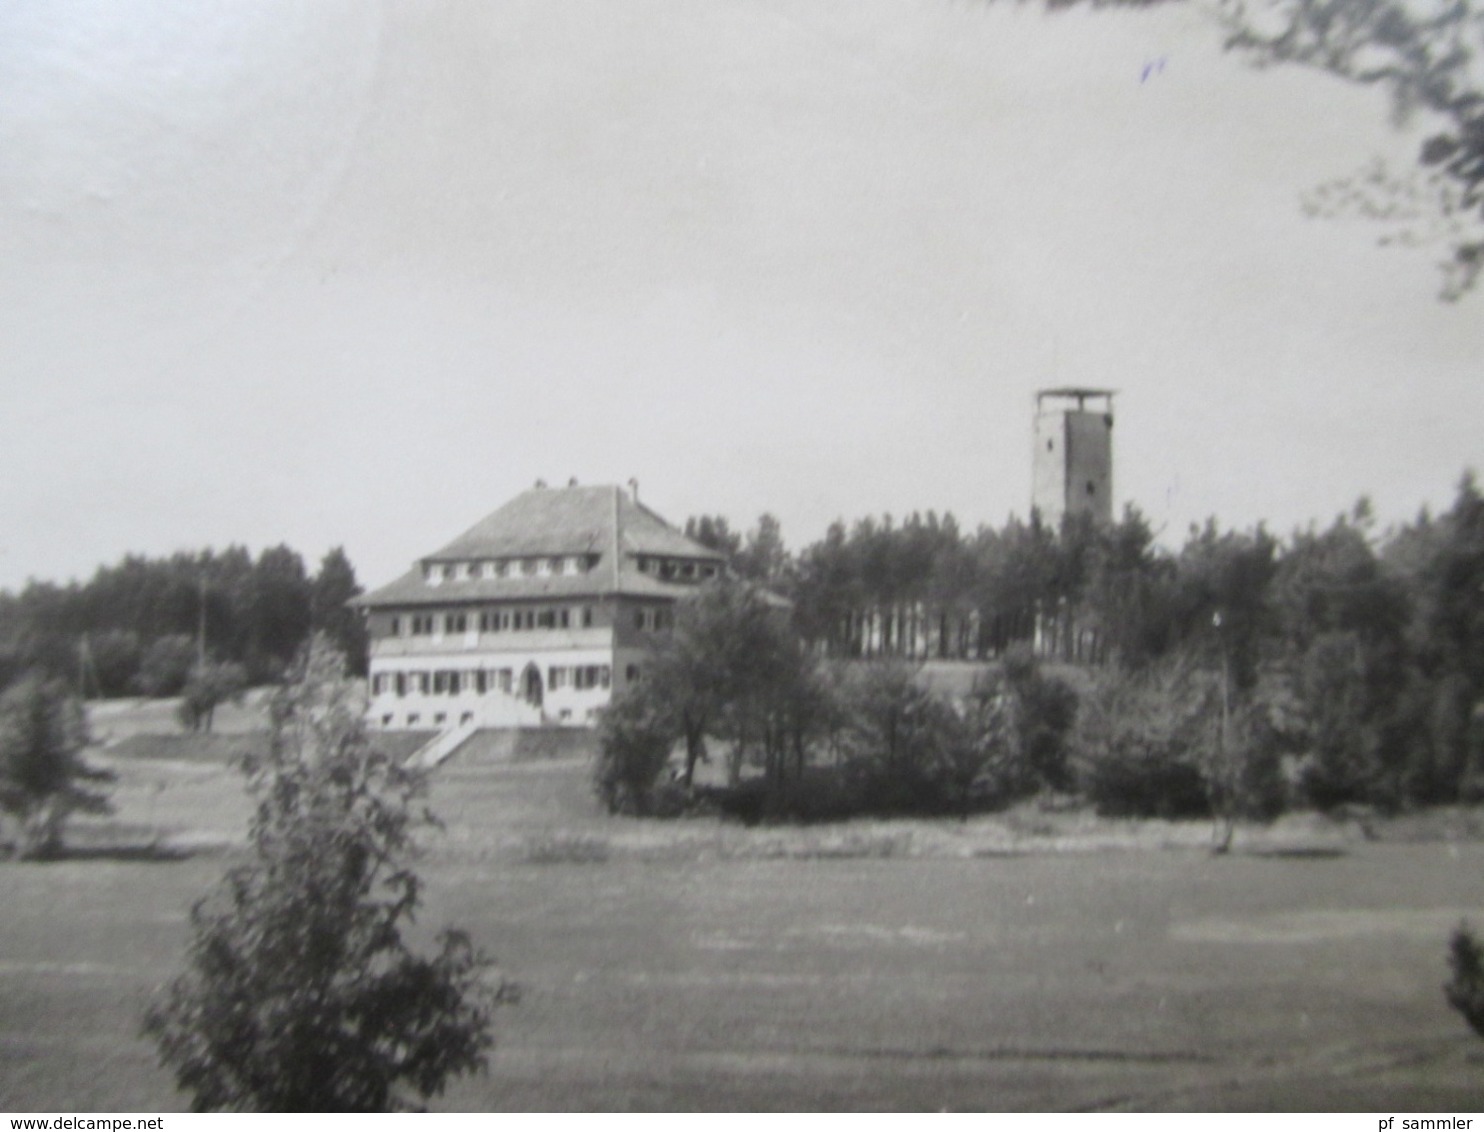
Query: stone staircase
x=443 y=744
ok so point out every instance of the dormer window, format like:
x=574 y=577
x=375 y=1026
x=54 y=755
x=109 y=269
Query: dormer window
x=529 y=567
x=557 y=565
x=431 y=574
x=643 y=565
x=450 y=571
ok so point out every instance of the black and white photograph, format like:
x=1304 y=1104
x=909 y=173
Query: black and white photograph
x=742 y=556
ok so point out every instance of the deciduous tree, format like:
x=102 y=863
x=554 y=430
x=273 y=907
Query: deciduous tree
x=210 y=685
x=300 y=993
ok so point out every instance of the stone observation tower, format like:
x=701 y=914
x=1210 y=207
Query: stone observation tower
x=1072 y=470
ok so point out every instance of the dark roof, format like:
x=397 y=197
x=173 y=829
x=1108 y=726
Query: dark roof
x=569 y=520
x=550 y=522
x=1076 y=391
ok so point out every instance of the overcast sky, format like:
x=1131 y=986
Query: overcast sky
x=348 y=273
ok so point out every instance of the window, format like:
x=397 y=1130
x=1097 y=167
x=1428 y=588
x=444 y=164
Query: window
x=422 y=682
x=502 y=568
x=652 y=620
x=1092 y=488
x=556 y=677
x=565 y=714
x=528 y=566
x=688 y=570
x=481 y=681
x=440 y=718
x=401 y=684
x=643 y=565
x=631 y=674
x=587 y=617
x=386 y=720
x=547 y=619
x=467 y=717
x=455 y=623
x=557 y=565
x=565 y=618
x=422 y=625
x=591 y=676
x=507 y=677
x=412 y=719
x=708 y=571
x=396 y=626
x=449 y=571
x=440 y=683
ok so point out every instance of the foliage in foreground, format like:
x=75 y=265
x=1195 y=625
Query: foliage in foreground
x=43 y=777
x=1465 y=990
x=300 y=993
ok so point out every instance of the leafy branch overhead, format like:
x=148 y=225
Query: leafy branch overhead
x=1429 y=56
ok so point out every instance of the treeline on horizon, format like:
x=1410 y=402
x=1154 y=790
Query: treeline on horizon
x=1370 y=642
x=1363 y=648
x=135 y=628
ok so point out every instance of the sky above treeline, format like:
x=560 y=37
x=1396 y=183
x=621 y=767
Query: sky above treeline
x=355 y=273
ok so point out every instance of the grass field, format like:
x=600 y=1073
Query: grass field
x=1024 y=961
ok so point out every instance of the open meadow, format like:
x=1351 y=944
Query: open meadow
x=1019 y=961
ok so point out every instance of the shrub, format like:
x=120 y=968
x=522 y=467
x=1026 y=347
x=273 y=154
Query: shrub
x=1141 y=741
x=900 y=742
x=635 y=735
x=1465 y=990
x=300 y=993
x=1044 y=710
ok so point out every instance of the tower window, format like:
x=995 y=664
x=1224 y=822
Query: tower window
x=1092 y=488
x=1050 y=444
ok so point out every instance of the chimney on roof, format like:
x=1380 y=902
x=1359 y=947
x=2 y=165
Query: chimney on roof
x=540 y=484
x=572 y=482
x=634 y=489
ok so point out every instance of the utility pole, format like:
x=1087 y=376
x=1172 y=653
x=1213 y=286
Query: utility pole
x=201 y=622
x=1226 y=814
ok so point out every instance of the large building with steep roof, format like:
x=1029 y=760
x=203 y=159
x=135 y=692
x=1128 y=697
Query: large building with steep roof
x=536 y=614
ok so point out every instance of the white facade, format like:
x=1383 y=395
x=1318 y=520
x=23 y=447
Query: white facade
x=535 y=616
